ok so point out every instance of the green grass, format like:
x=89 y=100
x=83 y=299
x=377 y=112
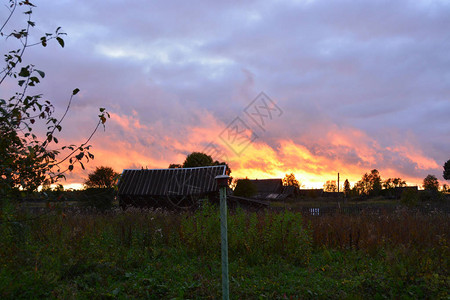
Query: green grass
x=154 y=254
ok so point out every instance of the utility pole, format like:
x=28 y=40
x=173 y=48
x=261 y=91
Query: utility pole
x=222 y=182
x=338 y=182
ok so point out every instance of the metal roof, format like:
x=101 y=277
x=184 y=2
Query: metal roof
x=170 y=182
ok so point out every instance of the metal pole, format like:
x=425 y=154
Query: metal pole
x=222 y=181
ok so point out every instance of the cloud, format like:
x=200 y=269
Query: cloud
x=361 y=85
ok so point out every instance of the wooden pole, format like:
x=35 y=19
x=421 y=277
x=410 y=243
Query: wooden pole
x=338 y=182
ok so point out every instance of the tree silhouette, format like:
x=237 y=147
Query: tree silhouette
x=391 y=183
x=290 y=180
x=102 y=177
x=346 y=188
x=431 y=183
x=175 y=166
x=198 y=159
x=330 y=186
x=445 y=188
x=370 y=184
x=446 y=173
x=244 y=188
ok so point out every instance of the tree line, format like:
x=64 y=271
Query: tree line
x=370 y=183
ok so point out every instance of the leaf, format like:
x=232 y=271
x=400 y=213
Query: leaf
x=24 y=72
x=26 y=2
x=102 y=109
x=31 y=23
x=80 y=156
x=70 y=167
x=60 y=41
x=75 y=91
x=41 y=73
x=82 y=166
x=34 y=79
x=56 y=140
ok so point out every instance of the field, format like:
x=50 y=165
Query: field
x=68 y=254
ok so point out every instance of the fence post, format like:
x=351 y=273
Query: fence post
x=222 y=182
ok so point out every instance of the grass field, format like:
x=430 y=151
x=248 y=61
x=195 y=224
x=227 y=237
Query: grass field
x=156 y=254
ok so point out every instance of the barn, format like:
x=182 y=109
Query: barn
x=179 y=188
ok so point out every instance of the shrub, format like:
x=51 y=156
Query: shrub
x=99 y=198
x=244 y=188
x=409 y=197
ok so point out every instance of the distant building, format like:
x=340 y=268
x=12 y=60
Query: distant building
x=396 y=193
x=271 y=189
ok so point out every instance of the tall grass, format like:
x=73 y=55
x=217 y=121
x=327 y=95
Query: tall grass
x=64 y=254
x=254 y=238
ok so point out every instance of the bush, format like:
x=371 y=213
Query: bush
x=409 y=197
x=99 y=198
x=431 y=195
x=244 y=188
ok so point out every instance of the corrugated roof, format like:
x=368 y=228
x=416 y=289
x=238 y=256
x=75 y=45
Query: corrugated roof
x=170 y=182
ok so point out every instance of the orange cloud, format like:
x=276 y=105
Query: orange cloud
x=416 y=155
x=128 y=143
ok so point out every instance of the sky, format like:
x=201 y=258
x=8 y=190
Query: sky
x=313 y=88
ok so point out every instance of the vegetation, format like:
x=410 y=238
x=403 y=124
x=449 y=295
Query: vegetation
x=102 y=177
x=26 y=160
x=431 y=183
x=290 y=180
x=410 y=197
x=199 y=159
x=391 y=183
x=445 y=188
x=370 y=184
x=244 y=188
x=446 y=173
x=346 y=188
x=156 y=254
x=330 y=186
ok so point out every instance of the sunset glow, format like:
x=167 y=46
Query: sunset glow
x=351 y=86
